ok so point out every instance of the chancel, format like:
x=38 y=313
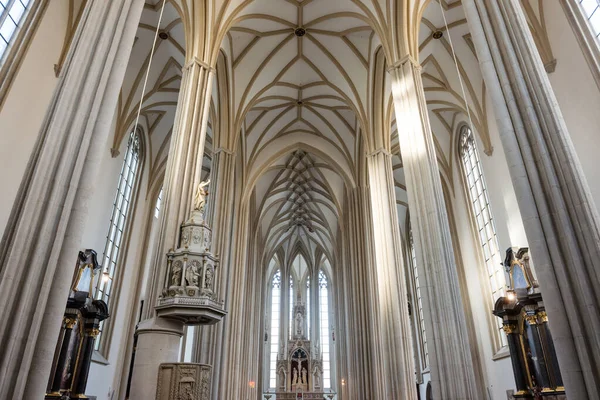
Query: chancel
x=300 y=199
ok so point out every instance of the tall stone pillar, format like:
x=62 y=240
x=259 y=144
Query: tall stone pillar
x=395 y=330
x=42 y=236
x=236 y=326
x=360 y=307
x=184 y=165
x=451 y=362
x=208 y=343
x=561 y=220
x=182 y=176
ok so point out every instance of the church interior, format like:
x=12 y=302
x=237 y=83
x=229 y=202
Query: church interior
x=300 y=199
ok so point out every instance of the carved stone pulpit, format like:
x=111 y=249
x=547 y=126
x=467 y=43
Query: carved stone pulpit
x=189 y=291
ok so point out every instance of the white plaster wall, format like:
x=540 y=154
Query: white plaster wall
x=24 y=109
x=576 y=92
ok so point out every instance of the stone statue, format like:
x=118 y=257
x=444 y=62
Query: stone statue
x=176 y=274
x=304 y=375
x=299 y=327
x=200 y=197
x=208 y=277
x=192 y=275
x=295 y=377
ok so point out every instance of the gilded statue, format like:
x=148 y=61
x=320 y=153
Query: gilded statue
x=200 y=197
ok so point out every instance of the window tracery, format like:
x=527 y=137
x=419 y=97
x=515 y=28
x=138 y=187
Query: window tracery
x=12 y=14
x=591 y=11
x=324 y=320
x=118 y=221
x=422 y=337
x=275 y=318
x=486 y=230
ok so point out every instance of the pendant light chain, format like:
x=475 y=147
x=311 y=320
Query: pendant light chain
x=462 y=86
x=137 y=118
x=105 y=274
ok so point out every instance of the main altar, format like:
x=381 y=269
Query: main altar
x=300 y=368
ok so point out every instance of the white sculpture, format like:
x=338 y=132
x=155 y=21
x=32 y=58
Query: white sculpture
x=299 y=327
x=295 y=377
x=303 y=375
x=200 y=197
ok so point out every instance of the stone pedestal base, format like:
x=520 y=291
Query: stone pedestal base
x=184 y=381
x=158 y=343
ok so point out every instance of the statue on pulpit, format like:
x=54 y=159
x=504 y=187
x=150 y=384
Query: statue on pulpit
x=299 y=326
x=200 y=197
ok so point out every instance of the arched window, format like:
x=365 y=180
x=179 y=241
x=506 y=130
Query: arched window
x=420 y=320
x=118 y=222
x=12 y=14
x=591 y=11
x=158 y=203
x=308 y=306
x=486 y=231
x=291 y=313
x=324 y=320
x=275 y=318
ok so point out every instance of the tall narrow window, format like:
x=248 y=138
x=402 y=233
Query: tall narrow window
x=158 y=203
x=591 y=11
x=308 y=307
x=275 y=317
x=12 y=14
x=419 y=309
x=486 y=230
x=118 y=220
x=324 y=319
x=291 y=313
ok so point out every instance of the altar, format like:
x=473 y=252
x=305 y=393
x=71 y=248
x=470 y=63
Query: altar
x=300 y=370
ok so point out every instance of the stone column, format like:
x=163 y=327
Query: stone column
x=41 y=239
x=158 y=343
x=361 y=334
x=561 y=220
x=395 y=331
x=233 y=381
x=208 y=343
x=184 y=166
x=182 y=176
x=451 y=361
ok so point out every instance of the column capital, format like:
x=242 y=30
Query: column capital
x=379 y=151
x=404 y=60
x=223 y=150
x=196 y=61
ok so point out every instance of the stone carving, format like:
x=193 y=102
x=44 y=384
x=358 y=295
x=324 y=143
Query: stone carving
x=208 y=278
x=299 y=328
x=184 y=381
x=295 y=377
x=303 y=375
x=176 y=273
x=200 y=197
x=192 y=275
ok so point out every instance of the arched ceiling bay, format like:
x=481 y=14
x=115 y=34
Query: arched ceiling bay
x=162 y=89
x=298 y=201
